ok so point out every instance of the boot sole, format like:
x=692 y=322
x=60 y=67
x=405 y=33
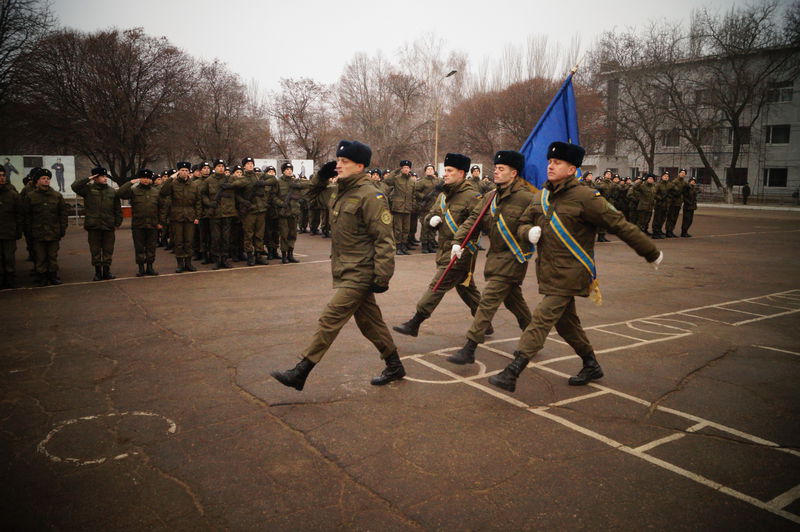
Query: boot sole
x=460 y=361
x=382 y=381
x=591 y=378
x=279 y=377
x=403 y=331
x=501 y=385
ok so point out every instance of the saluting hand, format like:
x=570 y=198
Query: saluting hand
x=435 y=221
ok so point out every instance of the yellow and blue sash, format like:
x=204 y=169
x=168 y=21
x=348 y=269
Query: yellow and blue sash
x=511 y=242
x=572 y=245
x=451 y=223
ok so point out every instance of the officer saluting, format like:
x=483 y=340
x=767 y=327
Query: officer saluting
x=362 y=263
x=564 y=219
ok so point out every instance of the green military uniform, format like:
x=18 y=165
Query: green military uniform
x=183 y=199
x=674 y=202
x=504 y=274
x=362 y=256
x=305 y=206
x=660 y=207
x=561 y=276
x=689 y=206
x=460 y=201
x=605 y=188
x=254 y=200
x=103 y=216
x=46 y=218
x=631 y=196
x=202 y=239
x=11 y=225
x=426 y=193
x=272 y=229
x=645 y=195
x=401 y=199
x=144 y=200
x=219 y=202
x=290 y=191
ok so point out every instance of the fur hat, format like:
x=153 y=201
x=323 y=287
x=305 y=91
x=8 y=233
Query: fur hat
x=248 y=160
x=405 y=162
x=284 y=166
x=99 y=170
x=268 y=168
x=571 y=153
x=44 y=172
x=184 y=164
x=218 y=162
x=144 y=173
x=457 y=160
x=511 y=158
x=355 y=151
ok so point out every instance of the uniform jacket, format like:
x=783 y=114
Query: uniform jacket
x=675 y=192
x=252 y=193
x=582 y=212
x=662 y=190
x=362 y=239
x=218 y=203
x=645 y=196
x=183 y=198
x=144 y=204
x=101 y=203
x=45 y=213
x=11 y=218
x=460 y=200
x=511 y=202
x=690 y=197
x=290 y=192
x=425 y=194
x=401 y=192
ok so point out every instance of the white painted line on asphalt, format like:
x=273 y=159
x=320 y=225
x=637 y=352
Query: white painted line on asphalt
x=578 y=398
x=776 y=349
x=741 y=311
x=620 y=334
x=785 y=499
x=745 y=322
x=766 y=305
x=655 y=443
x=699 y=426
x=704 y=318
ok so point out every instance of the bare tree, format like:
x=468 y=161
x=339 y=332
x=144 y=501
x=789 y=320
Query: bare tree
x=22 y=24
x=301 y=110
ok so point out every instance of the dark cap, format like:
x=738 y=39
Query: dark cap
x=144 y=173
x=99 y=170
x=511 y=158
x=284 y=166
x=571 y=153
x=405 y=162
x=457 y=160
x=355 y=151
x=218 y=162
x=184 y=164
x=248 y=160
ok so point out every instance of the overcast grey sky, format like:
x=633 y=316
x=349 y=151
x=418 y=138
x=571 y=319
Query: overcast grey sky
x=271 y=39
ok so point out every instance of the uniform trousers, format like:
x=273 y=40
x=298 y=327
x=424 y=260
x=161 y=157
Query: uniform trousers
x=144 y=244
x=499 y=290
x=469 y=294
x=287 y=226
x=688 y=218
x=253 y=226
x=643 y=217
x=220 y=229
x=182 y=238
x=45 y=255
x=427 y=234
x=402 y=225
x=412 y=227
x=101 y=246
x=316 y=218
x=8 y=250
x=672 y=217
x=659 y=217
x=272 y=232
x=345 y=303
x=558 y=311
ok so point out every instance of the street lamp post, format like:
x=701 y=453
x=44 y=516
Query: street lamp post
x=436 y=127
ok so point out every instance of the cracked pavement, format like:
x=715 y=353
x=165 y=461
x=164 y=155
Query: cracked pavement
x=247 y=453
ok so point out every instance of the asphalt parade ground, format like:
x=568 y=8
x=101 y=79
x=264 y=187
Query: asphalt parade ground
x=146 y=403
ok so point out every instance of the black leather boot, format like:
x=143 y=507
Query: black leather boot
x=272 y=253
x=591 y=371
x=54 y=278
x=150 y=270
x=295 y=377
x=411 y=327
x=284 y=260
x=507 y=379
x=224 y=264
x=489 y=330
x=140 y=273
x=262 y=259
x=251 y=259
x=98 y=273
x=207 y=258
x=402 y=250
x=290 y=257
x=179 y=269
x=107 y=275
x=602 y=238
x=394 y=371
x=188 y=266
x=670 y=234
x=465 y=355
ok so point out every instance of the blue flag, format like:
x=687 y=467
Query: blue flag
x=559 y=122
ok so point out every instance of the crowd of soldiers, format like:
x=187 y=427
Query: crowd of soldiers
x=641 y=200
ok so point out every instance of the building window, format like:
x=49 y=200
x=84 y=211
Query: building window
x=778 y=134
x=736 y=176
x=705 y=135
x=744 y=135
x=702 y=97
x=634 y=171
x=775 y=177
x=32 y=162
x=702 y=174
x=671 y=138
x=780 y=91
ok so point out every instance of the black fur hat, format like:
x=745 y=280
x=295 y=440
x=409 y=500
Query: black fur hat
x=355 y=151
x=218 y=162
x=405 y=162
x=571 y=153
x=457 y=160
x=43 y=172
x=99 y=170
x=284 y=166
x=145 y=173
x=511 y=158
x=247 y=160
x=184 y=164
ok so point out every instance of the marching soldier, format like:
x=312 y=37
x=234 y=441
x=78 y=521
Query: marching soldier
x=507 y=259
x=103 y=216
x=272 y=231
x=362 y=230
x=46 y=219
x=689 y=206
x=182 y=198
x=290 y=190
x=674 y=202
x=253 y=199
x=11 y=223
x=661 y=206
x=426 y=191
x=401 y=199
x=143 y=195
x=219 y=201
x=564 y=219
x=457 y=201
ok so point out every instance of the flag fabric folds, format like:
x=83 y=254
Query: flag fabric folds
x=558 y=122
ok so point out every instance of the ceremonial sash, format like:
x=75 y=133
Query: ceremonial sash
x=572 y=245
x=511 y=242
x=451 y=223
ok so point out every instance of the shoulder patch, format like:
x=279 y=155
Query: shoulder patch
x=596 y=192
x=386 y=217
x=479 y=196
x=379 y=195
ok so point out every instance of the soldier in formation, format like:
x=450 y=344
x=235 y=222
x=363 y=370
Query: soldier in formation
x=103 y=216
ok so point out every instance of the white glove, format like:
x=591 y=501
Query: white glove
x=656 y=262
x=435 y=221
x=456 y=251
x=534 y=234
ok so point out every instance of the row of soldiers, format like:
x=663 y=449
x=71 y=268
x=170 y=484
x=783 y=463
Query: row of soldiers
x=641 y=200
